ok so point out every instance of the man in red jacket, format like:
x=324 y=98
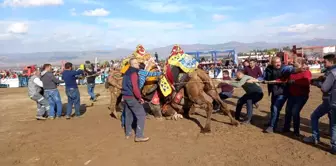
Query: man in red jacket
x=253 y=70
x=227 y=89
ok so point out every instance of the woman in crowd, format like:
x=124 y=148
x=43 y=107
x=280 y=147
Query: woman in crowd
x=299 y=88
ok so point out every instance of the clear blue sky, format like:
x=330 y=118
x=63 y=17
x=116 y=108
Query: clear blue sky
x=49 y=25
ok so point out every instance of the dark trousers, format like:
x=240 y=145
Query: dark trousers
x=277 y=102
x=223 y=96
x=333 y=129
x=249 y=100
x=293 y=109
x=133 y=109
x=320 y=111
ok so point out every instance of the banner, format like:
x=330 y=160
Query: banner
x=329 y=49
x=13 y=83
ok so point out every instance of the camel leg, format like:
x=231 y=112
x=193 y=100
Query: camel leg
x=177 y=107
x=213 y=94
x=203 y=103
x=175 y=112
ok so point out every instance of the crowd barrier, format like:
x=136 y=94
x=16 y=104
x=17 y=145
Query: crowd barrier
x=9 y=83
x=315 y=69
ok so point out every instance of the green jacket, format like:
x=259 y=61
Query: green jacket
x=248 y=87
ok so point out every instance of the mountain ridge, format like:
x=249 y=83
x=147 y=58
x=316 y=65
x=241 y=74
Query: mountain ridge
x=77 y=57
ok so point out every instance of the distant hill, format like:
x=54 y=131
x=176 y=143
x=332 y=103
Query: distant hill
x=13 y=60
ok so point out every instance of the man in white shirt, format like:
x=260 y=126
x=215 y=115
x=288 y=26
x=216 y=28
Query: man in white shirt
x=34 y=92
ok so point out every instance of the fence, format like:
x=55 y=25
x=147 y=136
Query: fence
x=23 y=81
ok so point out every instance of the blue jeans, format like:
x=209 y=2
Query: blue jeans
x=293 y=109
x=23 y=80
x=333 y=129
x=54 y=99
x=20 y=81
x=133 y=109
x=277 y=102
x=123 y=118
x=90 y=88
x=73 y=99
x=249 y=100
x=320 y=111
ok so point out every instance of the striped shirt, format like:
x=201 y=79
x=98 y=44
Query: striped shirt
x=143 y=74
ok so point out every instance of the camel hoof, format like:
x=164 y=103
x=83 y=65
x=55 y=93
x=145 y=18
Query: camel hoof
x=177 y=116
x=116 y=115
x=235 y=123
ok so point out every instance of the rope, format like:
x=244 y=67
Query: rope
x=265 y=82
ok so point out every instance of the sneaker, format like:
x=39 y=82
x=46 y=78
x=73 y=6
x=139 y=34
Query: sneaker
x=310 y=140
x=297 y=135
x=269 y=130
x=51 y=118
x=67 y=117
x=40 y=118
x=267 y=124
x=144 y=139
x=286 y=130
x=128 y=136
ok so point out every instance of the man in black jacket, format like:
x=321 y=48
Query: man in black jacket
x=278 y=92
x=91 y=82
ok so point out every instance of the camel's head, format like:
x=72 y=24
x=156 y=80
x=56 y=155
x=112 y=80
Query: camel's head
x=116 y=66
x=151 y=65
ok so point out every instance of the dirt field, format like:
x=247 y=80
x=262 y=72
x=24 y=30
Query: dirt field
x=97 y=139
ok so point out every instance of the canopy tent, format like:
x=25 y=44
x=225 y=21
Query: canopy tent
x=216 y=54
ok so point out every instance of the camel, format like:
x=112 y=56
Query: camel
x=196 y=91
x=197 y=88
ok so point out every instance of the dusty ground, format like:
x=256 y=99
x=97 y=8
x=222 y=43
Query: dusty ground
x=97 y=139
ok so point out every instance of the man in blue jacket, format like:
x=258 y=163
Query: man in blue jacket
x=71 y=89
x=133 y=102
